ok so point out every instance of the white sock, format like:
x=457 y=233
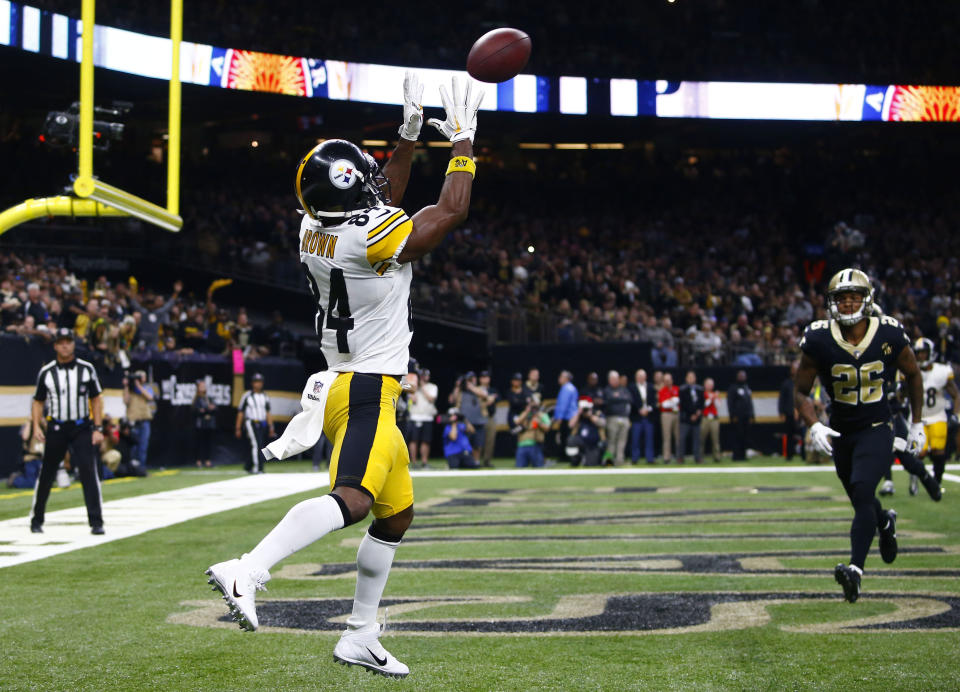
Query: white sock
x=374 y=558
x=305 y=523
x=857 y=570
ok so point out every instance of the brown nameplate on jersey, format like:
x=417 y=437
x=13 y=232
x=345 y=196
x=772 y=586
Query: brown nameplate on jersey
x=319 y=243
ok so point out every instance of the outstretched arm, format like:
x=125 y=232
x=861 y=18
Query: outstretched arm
x=397 y=170
x=431 y=224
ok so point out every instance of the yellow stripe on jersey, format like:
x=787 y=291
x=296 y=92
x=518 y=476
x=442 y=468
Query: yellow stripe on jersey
x=385 y=247
x=371 y=234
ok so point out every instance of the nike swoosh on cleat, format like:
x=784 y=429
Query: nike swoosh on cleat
x=235 y=594
x=379 y=662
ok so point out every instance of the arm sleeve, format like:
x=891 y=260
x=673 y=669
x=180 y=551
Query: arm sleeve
x=386 y=239
x=95 y=388
x=41 y=393
x=266 y=402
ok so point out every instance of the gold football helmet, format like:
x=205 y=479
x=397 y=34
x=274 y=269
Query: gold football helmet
x=845 y=281
x=923 y=345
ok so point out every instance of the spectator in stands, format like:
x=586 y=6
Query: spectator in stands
x=534 y=424
x=456 y=441
x=10 y=305
x=616 y=409
x=205 y=423
x=707 y=345
x=710 y=427
x=421 y=410
x=35 y=305
x=642 y=413
x=691 y=413
x=740 y=408
x=669 y=402
x=154 y=317
x=564 y=410
x=279 y=339
x=138 y=397
x=663 y=355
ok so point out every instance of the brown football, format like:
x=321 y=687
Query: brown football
x=499 y=55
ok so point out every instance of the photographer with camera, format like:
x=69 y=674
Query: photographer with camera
x=586 y=444
x=139 y=399
x=534 y=424
x=456 y=441
x=474 y=400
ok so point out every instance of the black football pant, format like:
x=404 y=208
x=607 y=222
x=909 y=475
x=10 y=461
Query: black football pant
x=862 y=458
x=76 y=438
x=256 y=433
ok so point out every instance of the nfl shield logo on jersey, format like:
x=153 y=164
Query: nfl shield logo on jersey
x=317 y=386
x=343 y=174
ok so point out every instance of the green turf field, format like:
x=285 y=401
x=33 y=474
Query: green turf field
x=573 y=582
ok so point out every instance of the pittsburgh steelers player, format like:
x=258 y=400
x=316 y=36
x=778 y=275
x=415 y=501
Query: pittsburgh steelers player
x=938 y=381
x=356 y=252
x=910 y=463
x=856 y=355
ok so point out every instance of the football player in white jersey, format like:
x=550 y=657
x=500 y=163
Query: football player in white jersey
x=355 y=250
x=938 y=381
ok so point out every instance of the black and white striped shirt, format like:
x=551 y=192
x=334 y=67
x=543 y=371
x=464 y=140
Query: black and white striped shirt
x=254 y=406
x=67 y=389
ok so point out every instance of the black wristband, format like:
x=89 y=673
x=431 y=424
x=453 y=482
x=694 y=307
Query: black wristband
x=98 y=428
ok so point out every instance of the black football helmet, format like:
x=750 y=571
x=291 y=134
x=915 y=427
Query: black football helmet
x=336 y=178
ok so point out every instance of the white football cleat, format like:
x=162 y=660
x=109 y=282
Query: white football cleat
x=362 y=648
x=886 y=488
x=239 y=583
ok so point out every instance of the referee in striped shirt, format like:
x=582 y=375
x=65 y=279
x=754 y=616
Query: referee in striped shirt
x=255 y=423
x=71 y=391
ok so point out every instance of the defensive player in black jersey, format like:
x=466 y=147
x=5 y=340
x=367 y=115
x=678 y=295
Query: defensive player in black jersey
x=856 y=355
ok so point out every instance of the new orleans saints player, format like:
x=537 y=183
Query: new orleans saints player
x=937 y=381
x=856 y=356
x=356 y=252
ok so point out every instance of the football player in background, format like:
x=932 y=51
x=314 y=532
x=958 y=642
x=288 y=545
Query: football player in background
x=856 y=355
x=938 y=382
x=356 y=250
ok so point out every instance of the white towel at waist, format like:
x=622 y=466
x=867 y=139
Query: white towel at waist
x=305 y=428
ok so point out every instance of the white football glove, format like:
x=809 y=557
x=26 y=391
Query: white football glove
x=412 y=107
x=820 y=436
x=461 y=122
x=916 y=439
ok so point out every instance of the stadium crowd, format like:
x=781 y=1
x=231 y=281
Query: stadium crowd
x=810 y=41
x=113 y=321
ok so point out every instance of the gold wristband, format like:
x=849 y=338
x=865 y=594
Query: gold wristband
x=462 y=164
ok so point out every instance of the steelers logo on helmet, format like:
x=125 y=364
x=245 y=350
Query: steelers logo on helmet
x=344 y=174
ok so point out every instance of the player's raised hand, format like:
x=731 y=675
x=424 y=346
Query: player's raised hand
x=412 y=107
x=461 y=122
x=820 y=436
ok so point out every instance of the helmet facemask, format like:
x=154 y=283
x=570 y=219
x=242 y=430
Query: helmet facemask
x=849 y=281
x=376 y=186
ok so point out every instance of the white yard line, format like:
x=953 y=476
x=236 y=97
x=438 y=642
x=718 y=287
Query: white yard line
x=66 y=530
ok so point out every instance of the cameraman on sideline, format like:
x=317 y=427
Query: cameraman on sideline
x=138 y=397
x=456 y=442
x=586 y=443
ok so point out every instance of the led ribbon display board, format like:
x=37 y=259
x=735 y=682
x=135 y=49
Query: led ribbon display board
x=31 y=29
